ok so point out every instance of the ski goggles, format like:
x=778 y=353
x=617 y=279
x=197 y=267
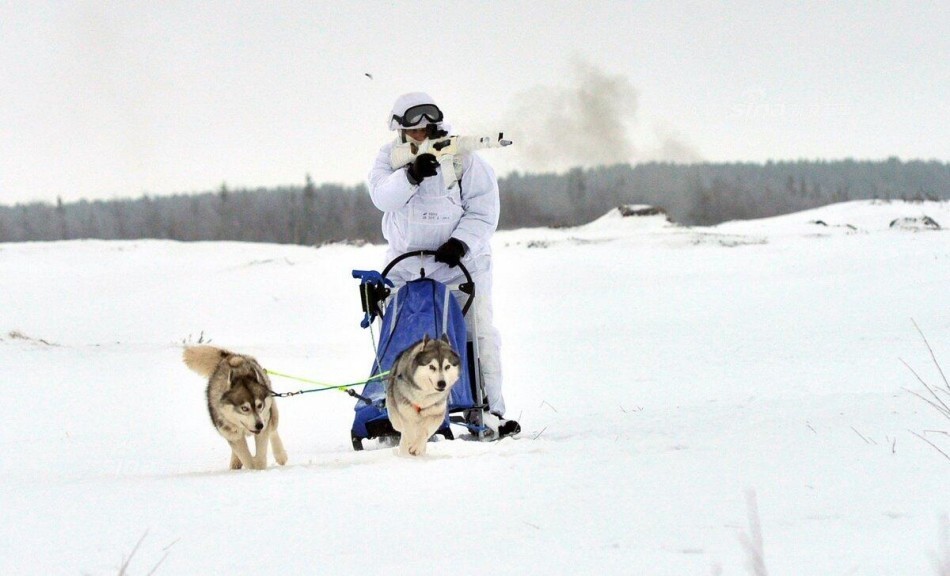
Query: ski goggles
x=415 y=114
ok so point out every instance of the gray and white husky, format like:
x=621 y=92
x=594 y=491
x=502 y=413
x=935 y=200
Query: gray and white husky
x=418 y=390
x=240 y=403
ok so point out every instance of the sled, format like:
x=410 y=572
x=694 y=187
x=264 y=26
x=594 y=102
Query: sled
x=420 y=307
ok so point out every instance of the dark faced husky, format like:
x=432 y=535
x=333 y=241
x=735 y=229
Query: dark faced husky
x=240 y=404
x=418 y=390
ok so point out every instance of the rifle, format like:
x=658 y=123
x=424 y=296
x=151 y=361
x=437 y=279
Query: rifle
x=444 y=149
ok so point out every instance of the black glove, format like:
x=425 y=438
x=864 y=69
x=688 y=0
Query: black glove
x=423 y=166
x=450 y=253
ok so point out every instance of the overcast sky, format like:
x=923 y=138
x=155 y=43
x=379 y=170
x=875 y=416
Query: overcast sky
x=116 y=99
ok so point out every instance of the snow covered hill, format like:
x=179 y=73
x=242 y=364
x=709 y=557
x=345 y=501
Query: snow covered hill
x=662 y=375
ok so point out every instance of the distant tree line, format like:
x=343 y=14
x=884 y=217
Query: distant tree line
x=692 y=194
x=306 y=215
x=706 y=194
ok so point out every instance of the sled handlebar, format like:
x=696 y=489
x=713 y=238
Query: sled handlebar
x=468 y=287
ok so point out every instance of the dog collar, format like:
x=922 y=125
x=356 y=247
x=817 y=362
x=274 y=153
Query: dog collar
x=418 y=407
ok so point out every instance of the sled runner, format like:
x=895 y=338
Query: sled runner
x=420 y=307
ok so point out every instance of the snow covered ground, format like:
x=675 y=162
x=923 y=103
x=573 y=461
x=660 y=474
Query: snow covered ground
x=661 y=374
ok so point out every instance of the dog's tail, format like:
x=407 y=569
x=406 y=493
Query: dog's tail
x=204 y=359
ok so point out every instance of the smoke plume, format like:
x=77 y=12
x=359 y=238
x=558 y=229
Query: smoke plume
x=592 y=122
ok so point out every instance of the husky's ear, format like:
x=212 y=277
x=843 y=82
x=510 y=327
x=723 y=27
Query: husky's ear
x=445 y=338
x=228 y=396
x=260 y=375
x=425 y=341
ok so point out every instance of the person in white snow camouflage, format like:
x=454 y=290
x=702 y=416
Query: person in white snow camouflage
x=420 y=212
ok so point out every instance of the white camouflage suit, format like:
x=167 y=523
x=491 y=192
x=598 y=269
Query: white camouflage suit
x=424 y=216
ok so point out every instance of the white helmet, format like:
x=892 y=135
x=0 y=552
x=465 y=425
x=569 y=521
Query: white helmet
x=414 y=110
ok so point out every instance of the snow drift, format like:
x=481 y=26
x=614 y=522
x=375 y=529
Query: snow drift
x=660 y=374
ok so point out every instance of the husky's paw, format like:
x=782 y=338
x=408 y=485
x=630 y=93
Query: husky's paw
x=280 y=457
x=235 y=462
x=407 y=449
